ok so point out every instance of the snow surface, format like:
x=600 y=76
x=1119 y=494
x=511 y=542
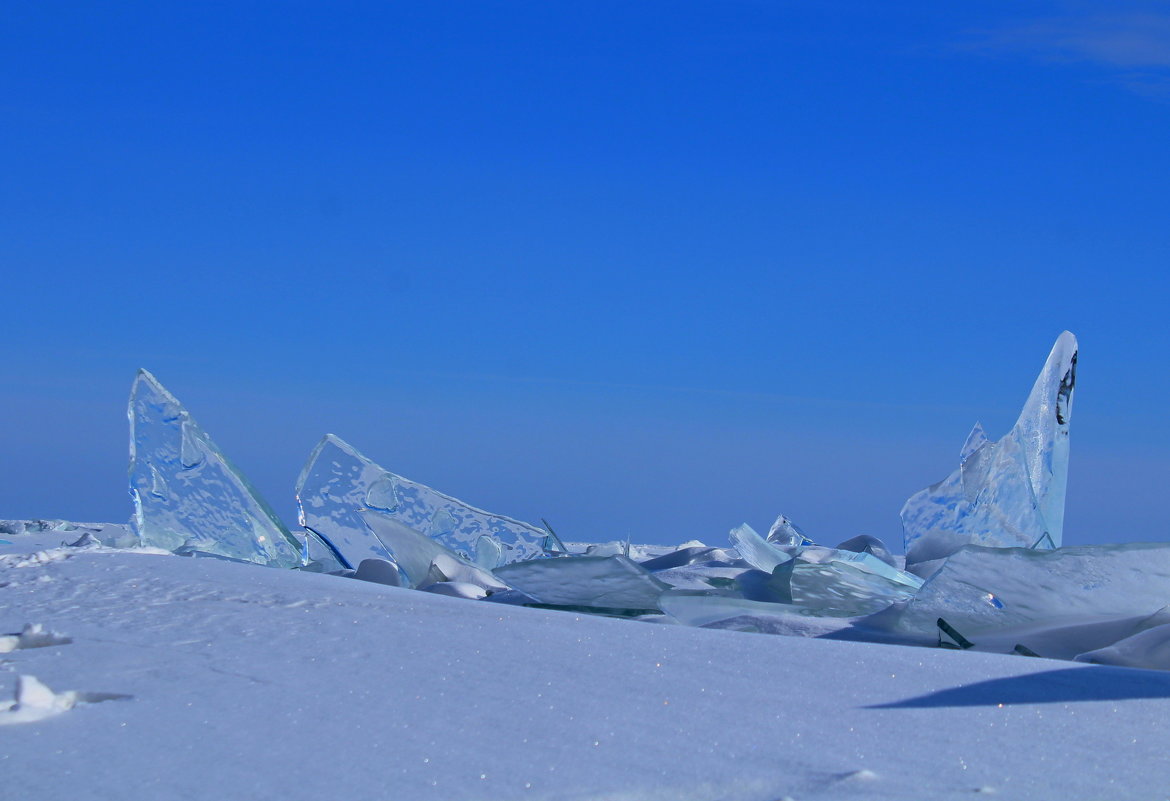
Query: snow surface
x=189 y=678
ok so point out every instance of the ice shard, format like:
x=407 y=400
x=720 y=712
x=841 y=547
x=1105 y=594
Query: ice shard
x=338 y=486
x=600 y=582
x=755 y=550
x=717 y=611
x=187 y=495
x=1008 y=493
x=787 y=534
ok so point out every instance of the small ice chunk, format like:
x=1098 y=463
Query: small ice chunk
x=607 y=582
x=339 y=487
x=1008 y=493
x=187 y=494
x=33 y=635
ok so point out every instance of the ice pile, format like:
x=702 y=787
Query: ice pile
x=984 y=567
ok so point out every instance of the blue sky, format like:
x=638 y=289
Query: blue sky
x=649 y=268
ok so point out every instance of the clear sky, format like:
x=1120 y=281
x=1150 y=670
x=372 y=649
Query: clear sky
x=646 y=268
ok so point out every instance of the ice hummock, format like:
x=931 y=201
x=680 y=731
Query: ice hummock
x=1008 y=493
x=340 y=490
x=187 y=495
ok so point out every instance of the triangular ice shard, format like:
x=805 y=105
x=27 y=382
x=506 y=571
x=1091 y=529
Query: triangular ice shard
x=337 y=484
x=1008 y=493
x=188 y=495
x=757 y=551
x=787 y=534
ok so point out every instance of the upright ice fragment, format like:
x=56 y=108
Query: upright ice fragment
x=187 y=495
x=339 y=491
x=1008 y=493
x=757 y=551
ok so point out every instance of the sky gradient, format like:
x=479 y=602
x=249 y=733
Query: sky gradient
x=643 y=268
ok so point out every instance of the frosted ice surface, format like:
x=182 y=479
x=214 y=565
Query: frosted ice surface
x=606 y=582
x=338 y=483
x=982 y=589
x=188 y=495
x=1008 y=493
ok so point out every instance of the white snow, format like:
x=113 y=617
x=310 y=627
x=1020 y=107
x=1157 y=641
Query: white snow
x=228 y=681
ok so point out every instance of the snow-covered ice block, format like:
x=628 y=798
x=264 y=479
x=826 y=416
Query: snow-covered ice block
x=981 y=589
x=188 y=495
x=1008 y=493
x=605 y=582
x=339 y=488
x=33 y=635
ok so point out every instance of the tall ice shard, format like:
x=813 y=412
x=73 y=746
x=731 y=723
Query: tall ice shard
x=1008 y=493
x=339 y=487
x=187 y=495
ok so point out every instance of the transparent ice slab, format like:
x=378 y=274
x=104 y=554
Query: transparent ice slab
x=606 y=582
x=188 y=495
x=338 y=483
x=983 y=589
x=1008 y=493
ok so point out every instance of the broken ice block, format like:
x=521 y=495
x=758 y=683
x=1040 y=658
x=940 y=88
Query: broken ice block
x=981 y=589
x=786 y=534
x=756 y=551
x=844 y=588
x=188 y=495
x=605 y=582
x=1008 y=493
x=338 y=484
